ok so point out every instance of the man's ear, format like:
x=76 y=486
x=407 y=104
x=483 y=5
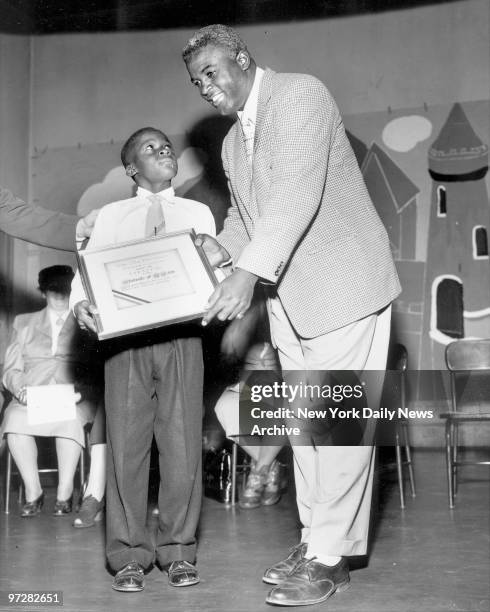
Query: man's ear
x=131 y=170
x=243 y=60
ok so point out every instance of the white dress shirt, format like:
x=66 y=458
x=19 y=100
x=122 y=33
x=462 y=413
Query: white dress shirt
x=248 y=116
x=125 y=220
x=57 y=320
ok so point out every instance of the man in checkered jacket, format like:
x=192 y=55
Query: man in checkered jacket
x=302 y=222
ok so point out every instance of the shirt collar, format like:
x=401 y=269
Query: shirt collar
x=54 y=315
x=167 y=194
x=249 y=112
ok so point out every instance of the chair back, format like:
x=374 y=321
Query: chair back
x=398 y=358
x=467 y=359
x=467 y=355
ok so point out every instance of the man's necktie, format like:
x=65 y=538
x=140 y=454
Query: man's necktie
x=60 y=321
x=155 y=221
x=248 y=127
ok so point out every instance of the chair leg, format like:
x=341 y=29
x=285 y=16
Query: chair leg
x=449 y=462
x=246 y=466
x=8 y=476
x=455 y=457
x=408 y=454
x=234 y=455
x=399 y=469
x=82 y=470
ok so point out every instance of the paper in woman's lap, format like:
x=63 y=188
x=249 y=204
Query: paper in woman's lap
x=51 y=403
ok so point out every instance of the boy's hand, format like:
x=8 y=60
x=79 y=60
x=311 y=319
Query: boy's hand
x=215 y=253
x=84 y=313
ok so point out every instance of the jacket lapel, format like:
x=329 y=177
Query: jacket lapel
x=43 y=324
x=38 y=333
x=243 y=179
x=241 y=176
x=66 y=334
x=265 y=92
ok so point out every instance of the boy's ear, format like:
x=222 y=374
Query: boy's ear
x=131 y=170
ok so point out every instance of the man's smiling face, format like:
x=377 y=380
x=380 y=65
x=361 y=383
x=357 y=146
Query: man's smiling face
x=222 y=81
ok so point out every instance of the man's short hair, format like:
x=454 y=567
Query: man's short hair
x=128 y=146
x=56 y=278
x=217 y=35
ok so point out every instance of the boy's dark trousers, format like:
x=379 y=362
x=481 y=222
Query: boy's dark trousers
x=153 y=389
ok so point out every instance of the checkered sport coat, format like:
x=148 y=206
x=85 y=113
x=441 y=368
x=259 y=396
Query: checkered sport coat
x=302 y=218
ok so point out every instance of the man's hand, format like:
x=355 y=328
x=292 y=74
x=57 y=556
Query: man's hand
x=232 y=297
x=84 y=314
x=86 y=224
x=215 y=253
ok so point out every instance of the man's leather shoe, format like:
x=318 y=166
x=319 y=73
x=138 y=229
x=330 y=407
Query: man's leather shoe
x=309 y=583
x=130 y=578
x=182 y=573
x=32 y=508
x=278 y=572
x=63 y=506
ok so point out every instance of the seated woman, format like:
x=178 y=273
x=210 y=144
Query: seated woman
x=47 y=348
x=247 y=340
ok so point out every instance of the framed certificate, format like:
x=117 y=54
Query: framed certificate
x=147 y=283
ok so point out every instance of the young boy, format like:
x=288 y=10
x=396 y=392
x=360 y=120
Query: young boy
x=153 y=386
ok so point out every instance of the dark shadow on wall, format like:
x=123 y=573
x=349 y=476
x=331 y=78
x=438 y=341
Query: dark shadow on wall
x=211 y=189
x=43 y=17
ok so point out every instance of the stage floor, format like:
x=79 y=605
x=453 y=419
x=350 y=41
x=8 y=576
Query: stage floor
x=425 y=558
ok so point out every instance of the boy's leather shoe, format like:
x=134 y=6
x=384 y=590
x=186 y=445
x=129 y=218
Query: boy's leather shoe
x=278 y=572
x=309 y=583
x=182 y=573
x=130 y=578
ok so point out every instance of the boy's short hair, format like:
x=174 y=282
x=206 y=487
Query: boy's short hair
x=130 y=142
x=56 y=278
x=218 y=35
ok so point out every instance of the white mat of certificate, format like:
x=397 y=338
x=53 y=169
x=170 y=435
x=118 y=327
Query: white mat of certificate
x=140 y=284
x=50 y=404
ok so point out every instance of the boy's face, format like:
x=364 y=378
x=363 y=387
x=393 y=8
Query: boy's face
x=153 y=161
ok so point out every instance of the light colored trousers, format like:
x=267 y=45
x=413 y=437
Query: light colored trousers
x=334 y=483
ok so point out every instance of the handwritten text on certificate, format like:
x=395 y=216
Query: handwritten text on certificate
x=148 y=278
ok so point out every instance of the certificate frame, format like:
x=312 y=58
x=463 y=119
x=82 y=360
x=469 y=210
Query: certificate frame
x=146 y=284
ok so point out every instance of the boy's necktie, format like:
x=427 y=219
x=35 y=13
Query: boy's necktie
x=155 y=221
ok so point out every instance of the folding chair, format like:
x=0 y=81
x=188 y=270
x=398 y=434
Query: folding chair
x=465 y=359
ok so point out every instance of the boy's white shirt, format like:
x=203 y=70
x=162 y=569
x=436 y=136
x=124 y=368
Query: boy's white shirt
x=125 y=220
